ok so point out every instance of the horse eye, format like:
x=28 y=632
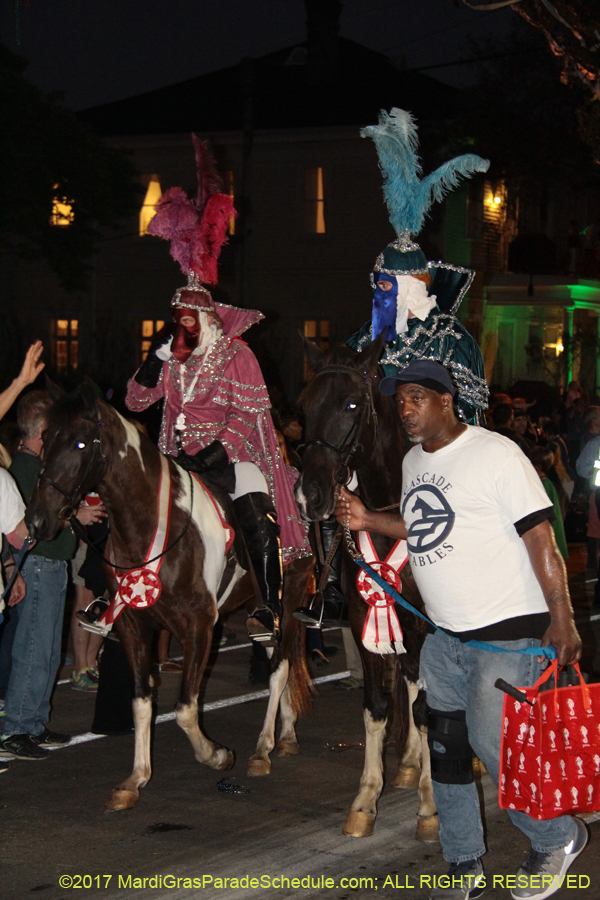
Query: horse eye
x=352 y=406
x=80 y=445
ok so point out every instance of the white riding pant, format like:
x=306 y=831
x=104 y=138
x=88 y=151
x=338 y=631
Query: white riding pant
x=248 y=480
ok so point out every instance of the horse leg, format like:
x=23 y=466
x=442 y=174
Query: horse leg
x=427 y=821
x=136 y=641
x=260 y=762
x=409 y=771
x=287 y=745
x=360 y=821
x=196 y=648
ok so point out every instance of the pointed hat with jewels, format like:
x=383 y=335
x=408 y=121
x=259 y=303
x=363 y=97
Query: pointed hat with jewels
x=408 y=196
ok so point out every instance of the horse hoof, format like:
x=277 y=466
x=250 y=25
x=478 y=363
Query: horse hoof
x=121 y=799
x=479 y=767
x=222 y=760
x=427 y=829
x=288 y=748
x=258 y=767
x=359 y=824
x=407 y=777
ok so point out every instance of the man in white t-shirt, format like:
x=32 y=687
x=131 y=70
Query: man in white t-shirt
x=12 y=525
x=478 y=526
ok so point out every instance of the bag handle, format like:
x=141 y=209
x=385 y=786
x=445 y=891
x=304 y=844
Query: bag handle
x=553 y=669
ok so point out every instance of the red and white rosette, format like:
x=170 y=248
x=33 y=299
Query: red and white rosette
x=381 y=633
x=140 y=588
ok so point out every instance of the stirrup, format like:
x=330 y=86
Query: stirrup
x=89 y=620
x=263 y=627
x=312 y=615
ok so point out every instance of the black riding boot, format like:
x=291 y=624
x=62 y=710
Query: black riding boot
x=257 y=518
x=335 y=606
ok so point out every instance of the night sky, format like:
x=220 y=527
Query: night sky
x=95 y=51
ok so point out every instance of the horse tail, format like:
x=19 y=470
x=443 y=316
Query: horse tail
x=401 y=710
x=300 y=684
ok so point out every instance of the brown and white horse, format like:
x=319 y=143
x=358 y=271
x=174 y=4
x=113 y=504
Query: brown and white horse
x=88 y=445
x=350 y=427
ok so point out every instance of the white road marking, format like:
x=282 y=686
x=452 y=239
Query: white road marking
x=208 y=707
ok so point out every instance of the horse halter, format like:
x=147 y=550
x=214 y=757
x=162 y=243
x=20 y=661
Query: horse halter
x=96 y=455
x=367 y=411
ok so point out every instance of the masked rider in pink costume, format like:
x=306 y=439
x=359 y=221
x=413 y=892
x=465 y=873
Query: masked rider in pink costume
x=216 y=409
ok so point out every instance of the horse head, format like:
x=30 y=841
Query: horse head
x=340 y=405
x=73 y=459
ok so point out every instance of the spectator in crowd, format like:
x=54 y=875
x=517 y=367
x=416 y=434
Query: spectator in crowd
x=542 y=459
x=591 y=424
x=560 y=473
x=86 y=645
x=37 y=640
x=504 y=420
x=524 y=429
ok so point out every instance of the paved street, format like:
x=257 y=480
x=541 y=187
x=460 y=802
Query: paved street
x=53 y=823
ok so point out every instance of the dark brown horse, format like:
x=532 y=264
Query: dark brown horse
x=349 y=428
x=88 y=445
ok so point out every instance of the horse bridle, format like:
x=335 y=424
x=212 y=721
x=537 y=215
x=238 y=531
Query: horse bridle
x=367 y=411
x=97 y=454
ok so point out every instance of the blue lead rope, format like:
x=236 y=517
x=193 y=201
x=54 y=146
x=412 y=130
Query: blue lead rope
x=549 y=652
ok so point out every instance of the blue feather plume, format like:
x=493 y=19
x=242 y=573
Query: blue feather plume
x=408 y=197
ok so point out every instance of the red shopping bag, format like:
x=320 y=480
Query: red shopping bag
x=550 y=752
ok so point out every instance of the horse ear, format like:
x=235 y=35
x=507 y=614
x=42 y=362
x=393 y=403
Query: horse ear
x=88 y=393
x=55 y=390
x=368 y=358
x=314 y=356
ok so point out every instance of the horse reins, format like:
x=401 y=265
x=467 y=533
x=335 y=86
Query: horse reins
x=78 y=528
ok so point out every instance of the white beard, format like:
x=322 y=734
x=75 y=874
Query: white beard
x=413 y=298
x=209 y=332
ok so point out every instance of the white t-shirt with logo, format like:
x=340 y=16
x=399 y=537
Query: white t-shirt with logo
x=12 y=508
x=460 y=505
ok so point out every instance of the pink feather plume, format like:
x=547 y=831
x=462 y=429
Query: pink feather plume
x=197 y=228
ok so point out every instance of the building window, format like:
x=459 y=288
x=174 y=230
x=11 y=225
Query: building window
x=314 y=201
x=230 y=188
x=65 y=344
x=317 y=331
x=149 y=329
x=149 y=207
x=62 y=211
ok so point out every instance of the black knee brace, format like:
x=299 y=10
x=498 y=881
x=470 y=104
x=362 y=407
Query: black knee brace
x=454 y=763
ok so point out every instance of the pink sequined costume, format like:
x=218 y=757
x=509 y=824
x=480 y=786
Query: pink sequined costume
x=223 y=397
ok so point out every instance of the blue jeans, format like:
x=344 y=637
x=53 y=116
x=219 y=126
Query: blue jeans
x=36 y=646
x=459 y=677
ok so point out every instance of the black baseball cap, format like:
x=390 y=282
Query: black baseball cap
x=426 y=372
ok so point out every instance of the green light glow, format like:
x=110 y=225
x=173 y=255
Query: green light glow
x=584 y=292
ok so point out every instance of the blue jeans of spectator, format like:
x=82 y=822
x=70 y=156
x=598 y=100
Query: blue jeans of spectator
x=36 y=646
x=459 y=677
x=7 y=635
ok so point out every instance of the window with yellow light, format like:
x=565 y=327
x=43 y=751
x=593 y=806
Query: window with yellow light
x=151 y=199
x=65 y=343
x=149 y=328
x=314 y=200
x=62 y=211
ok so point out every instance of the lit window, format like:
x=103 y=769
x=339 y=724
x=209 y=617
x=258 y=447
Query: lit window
x=149 y=329
x=314 y=201
x=149 y=207
x=230 y=185
x=65 y=344
x=62 y=211
x=317 y=331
